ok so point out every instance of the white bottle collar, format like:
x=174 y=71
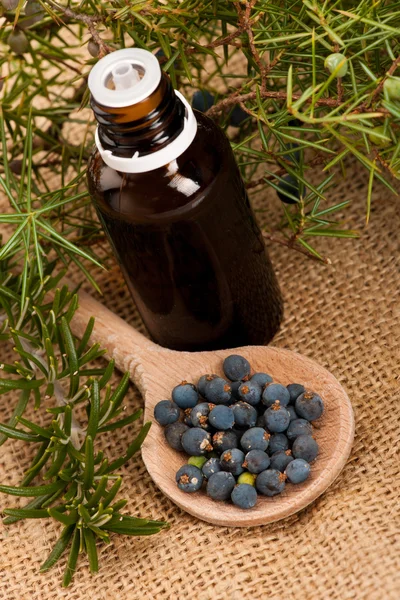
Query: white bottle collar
x=142 y=164
x=135 y=73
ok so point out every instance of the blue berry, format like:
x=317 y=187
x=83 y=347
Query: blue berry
x=222 y=417
x=305 y=447
x=288 y=185
x=293 y=154
x=160 y=53
x=238 y=116
x=186 y=417
x=277 y=442
x=260 y=420
x=256 y=461
x=250 y=392
x=255 y=438
x=270 y=482
x=201 y=384
x=281 y=459
x=196 y=441
x=224 y=440
x=295 y=389
x=199 y=415
x=231 y=460
x=173 y=434
x=210 y=467
x=189 y=478
x=163 y=58
x=309 y=406
x=244 y=496
x=299 y=427
x=236 y=367
x=292 y=412
x=220 y=485
x=235 y=385
x=261 y=378
x=295 y=123
x=185 y=395
x=237 y=432
x=245 y=414
x=202 y=100
x=273 y=392
x=166 y=412
x=277 y=418
x=218 y=391
x=298 y=470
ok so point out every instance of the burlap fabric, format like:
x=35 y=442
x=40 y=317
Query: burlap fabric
x=344 y=546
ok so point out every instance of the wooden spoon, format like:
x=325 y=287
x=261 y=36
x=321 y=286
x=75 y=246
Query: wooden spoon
x=156 y=370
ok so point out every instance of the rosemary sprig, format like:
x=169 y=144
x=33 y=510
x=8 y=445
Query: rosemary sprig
x=76 y=484
x=70 y=480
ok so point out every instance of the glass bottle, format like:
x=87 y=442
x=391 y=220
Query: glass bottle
x=169 y=194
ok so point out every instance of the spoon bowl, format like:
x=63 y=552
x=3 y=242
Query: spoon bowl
x=156 y=370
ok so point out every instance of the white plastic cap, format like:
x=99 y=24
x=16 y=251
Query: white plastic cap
x=126 y=77
x=115 y=80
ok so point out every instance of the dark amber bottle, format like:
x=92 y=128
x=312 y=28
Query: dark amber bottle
x=171 y=199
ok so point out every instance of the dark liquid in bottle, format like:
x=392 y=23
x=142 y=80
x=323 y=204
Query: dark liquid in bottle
x=189 y=247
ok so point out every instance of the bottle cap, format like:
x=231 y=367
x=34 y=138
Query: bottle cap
x=124 y=78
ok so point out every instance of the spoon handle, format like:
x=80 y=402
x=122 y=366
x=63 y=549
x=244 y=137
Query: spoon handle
x=123 y=343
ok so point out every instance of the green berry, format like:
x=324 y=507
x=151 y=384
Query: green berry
x=10 y=4
x=336 y=63
x=18 y=42
x=33 y=14
x=93 y=48
x=249 y=478
x=197 y=461
x=375 y=137
x=32 y=8
x=392 y=88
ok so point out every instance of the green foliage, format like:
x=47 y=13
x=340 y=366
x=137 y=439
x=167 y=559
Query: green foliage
x=287 y=89
x=79 y=482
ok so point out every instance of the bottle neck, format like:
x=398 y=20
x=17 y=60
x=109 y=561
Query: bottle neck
x=145 y=127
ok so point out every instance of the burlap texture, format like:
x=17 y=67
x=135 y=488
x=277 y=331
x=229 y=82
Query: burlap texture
x=346 y=545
